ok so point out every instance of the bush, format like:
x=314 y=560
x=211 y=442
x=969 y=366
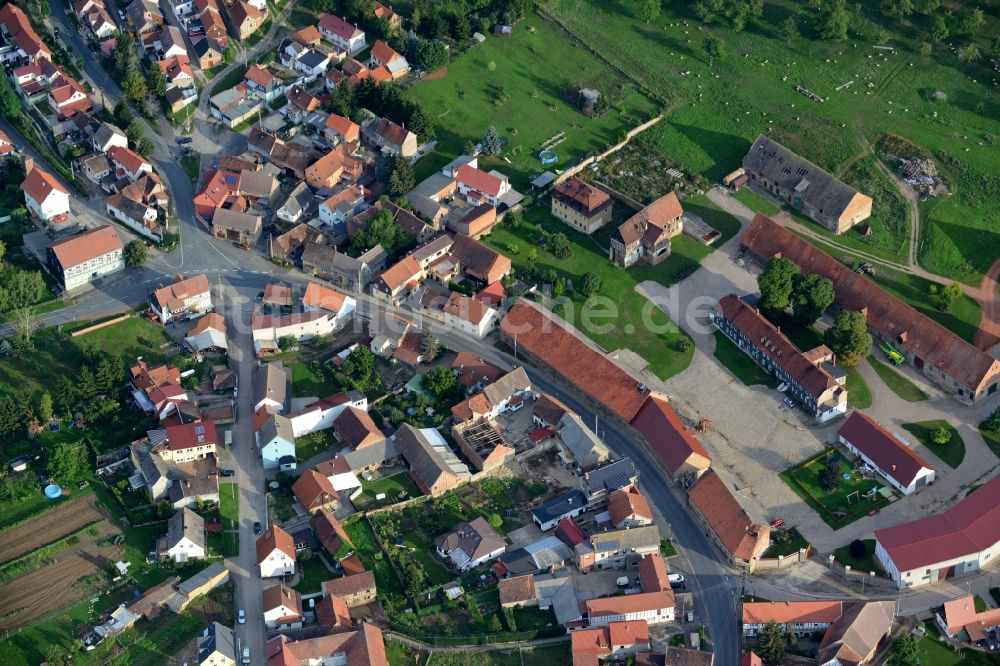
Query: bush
x=940 y=435
x=992 y=424
x=858 y=549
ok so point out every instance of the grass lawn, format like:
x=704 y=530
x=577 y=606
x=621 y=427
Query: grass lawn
x=624 y=317
x=396 y=488
x=897 y=382
x=951 y=453
x=365 y=547
x=313 y=572
x=402 y=655
x=858 y=392
x=932 y=650
x=514 y=85
x=785 y=542
x=229 y=505
x=740 y=364
x=532 y=617
x=755 y=202
x=667 y=548
x=833 y=505
x=307 y=382
x=716 y=107
x=228 y=81
x=992 y=440
x=192 y=167
x=867 y=562
x=981 y=605
x=299 y=18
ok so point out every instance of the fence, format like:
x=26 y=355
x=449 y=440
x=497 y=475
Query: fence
x=84 y=331
x=481 y=639
x=783 y=561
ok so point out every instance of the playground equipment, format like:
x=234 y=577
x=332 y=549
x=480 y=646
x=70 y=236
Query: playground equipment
x=893 y=355
x=548 y=156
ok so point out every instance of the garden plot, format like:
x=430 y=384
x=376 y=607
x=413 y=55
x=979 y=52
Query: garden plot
x=47 y=528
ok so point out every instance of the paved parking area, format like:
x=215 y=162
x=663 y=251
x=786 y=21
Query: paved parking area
x=598 y=583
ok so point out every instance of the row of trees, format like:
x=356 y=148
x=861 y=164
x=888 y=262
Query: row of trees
x=349 y=100
x=382 y=229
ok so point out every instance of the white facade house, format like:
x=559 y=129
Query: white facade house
x=345 y=36
x=185 y=536
x=282 y=608
x=44 y=196
x=894 y=461
x=79 y=259
x=321 y=414
x=653 y=607
x=323 y=299
x=268 y=329
x=106 y=136
x=184 y=296
x=275 y=553
x=469 y=315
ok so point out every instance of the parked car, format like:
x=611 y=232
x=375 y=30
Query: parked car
x=622 y=581
x=59 y=219
x=777 y=522
x=184 y=139
x=227 y=472
x=675 y=580
x=789 y=402
x=246 y=655
x=256 y=528
x=241 y=617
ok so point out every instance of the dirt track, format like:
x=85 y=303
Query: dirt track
x=47 y=528
x=39 y=592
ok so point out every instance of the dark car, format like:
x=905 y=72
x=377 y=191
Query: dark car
x=227 y=472
x=184 y=139
x=256 y=528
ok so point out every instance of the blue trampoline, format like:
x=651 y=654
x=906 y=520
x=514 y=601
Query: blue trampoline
x=548 y=156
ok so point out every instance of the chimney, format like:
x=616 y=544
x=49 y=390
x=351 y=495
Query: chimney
x=29 y=164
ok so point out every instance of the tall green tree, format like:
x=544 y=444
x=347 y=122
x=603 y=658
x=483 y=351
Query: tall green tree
x=10 y=104
x=811 y=296
x=788 y=30
x=849 y=338
x=67 y=461
x=439 y=381
x=834 y=21
x=134 y=86
x=776 y=283
x=134 y=253
x=772 y=643
x=949 y=295
x=10 y=415
x=646 y=10
x=972 y=21
x=65 y=394
x=939 y=30
x=23 y=288
x=123 y=114
x=905 y=651
x=431 y=55
x=156 y=81
x=86 y=383
x=713 y=48
x=430 y=346
x=401 y=177
x=382 y=230
x=43 y=406
x=491 y=143
x=110 y=373
x=342 y=99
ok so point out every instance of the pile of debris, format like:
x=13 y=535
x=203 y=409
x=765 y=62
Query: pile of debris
x=922 y=175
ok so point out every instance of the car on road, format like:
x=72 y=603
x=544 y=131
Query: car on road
x=789 y=402
x=227 y=472
x=676 y=580
x=121 y=14
x=241 y=617
x=777 y=522
x=184 y=139
x=246 y=655
x=256 y=528
x=19 y=149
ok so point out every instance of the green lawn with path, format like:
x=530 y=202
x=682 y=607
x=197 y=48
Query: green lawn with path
x=229 y=505
x=842 y=505
x=396 y=488
x=514 y=85
x=932 y=650
x=951 y=453
x=740 y=364
x=313 y=573
x=897 y=382
x=626 y=318
x=755 y=202
x=717 y=106
x=992 y=440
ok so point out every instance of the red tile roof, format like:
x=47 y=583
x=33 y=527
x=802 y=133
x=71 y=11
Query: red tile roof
x=273 y=539
x=21 y=31
x=653 y=573
x=83 y=247
x=742 y=537
x=970 y=526
x=189 y=435
x=569 y=532
x=891 y=456
x=629 y=632
x=383 y=52
x=173 y=295
x=464 y=307
x=628 y=502
x=776 y=345
x=318 y=296
x=259 y=75
x=346 y=128
x=313 y=490
x=904 y=326
x=668 y=437
x=631 y=603
x=338 y=26
x=517 y=590
x=38 y=184
x=212 y=320
x=282 y=595
x=547 y=338
x=329 y=531
x=349 y=585
x=478 y=180
x=581 y=196
x=128 y=159
x=785 y=612
x=401 y=272
x=332 y=611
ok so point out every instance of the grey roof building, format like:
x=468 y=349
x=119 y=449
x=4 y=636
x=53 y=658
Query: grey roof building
x=433 y=465
x=217 y=646
x=185 y=524
x=604 y=480
x=568 y=505
x=586 y=447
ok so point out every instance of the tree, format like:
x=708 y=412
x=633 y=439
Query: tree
x=156 y=81
x=789 y=29
x=992 y=423
x=939 y=30
x=10 y=104
x=3 y=250
x=420 y=124
x=86 y=383
x=229 y=55
x=834 y=21
x=811 y=296
x=972 y=21
x=382 y=230
x=591 y=284
x=65 y=394
x=413 y=578
x=286 y=342
x=10 y=415
x=948 y=296
x=439 y=381
x=360 y=364
x=713 y=48
x=26 y=322
x=43 y=406
x=23 y=288
x=342 y=99
x=134 y=253
x=122 y=114
x=776 y=284
x=969 y=53
x=134 y=132
x=491 y=143
x=134 y=86
x=430 y=346
x=495 y=626
x=829 y=476
x=67 y=461
x=905 y=651
x=904 y=8
x=928 y=7
x=123 y=57
x=857 y=549
x=772 y=643
x=559 y=246
x=431 y=55
x=110 y=373
x=849 y=338
x=647 y=10
x=940 y=435
x=495 y=520
x=401 y=178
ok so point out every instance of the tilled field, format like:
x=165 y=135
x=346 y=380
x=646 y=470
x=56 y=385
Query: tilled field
x=47 y=528
x=38 y=592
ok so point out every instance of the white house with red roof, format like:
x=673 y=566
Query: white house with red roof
x=177 y=71
x=189 y=441
x=276 y=553
x=895 y=462
x=21 y=42
x=128 y=163
x=191 y=295
x=6 y=147
x=960 y=540
x=44 y=195
x=345 y=36
x=86 y=256
x=383 y=55
x=68 y=97
x=478 y=186
x=321 y=414
x=324 y=299
x=262 y=84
